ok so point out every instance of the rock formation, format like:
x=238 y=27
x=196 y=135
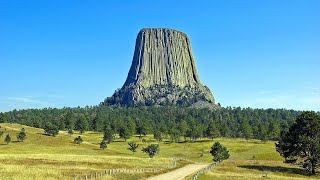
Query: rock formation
x=163 y=72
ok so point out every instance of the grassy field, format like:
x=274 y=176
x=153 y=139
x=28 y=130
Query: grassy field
x=46 y=157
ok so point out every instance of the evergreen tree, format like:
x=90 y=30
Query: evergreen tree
x=274 y=130
x=302 y=141
x=51 y=129
x=69 y=120
x=183 y=128
x=142 y=128
x=7 y=139
x=174 y=134
x=108 y=135
x=103 y=144
x=246 y=130
x=151 y=150
x=219 y=152
x=157 y=135
x=21 y=135
x=70 y=132
x=212 y=130
x=263 y=135
x=225 y=130
x=78 y=140
x=125 y=133
x=82 y=124
x=133 y=146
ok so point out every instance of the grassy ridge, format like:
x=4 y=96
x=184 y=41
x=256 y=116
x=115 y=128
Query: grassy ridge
x=46 y=157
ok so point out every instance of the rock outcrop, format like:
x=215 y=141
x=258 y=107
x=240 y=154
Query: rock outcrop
x=163 y=72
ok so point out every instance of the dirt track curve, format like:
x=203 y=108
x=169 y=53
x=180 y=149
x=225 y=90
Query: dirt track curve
x=180 y=173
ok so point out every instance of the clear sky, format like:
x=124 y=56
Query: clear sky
x=255 y=53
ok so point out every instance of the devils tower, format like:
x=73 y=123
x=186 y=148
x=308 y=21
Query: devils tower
x=163 y=72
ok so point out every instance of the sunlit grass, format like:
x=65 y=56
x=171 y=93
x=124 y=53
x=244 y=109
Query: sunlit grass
x=46 y=157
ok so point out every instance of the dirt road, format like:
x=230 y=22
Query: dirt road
x=180 y=173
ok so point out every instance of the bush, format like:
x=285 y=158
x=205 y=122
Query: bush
x=51 y=130
x=70 y=132
x=133 y=146
x=7 y=139
x=103 y=144
x=78 y=140
x=219 y=152
x=151 y=150
x=21 y=135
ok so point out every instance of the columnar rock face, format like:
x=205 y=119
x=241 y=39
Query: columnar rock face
x=163 y=72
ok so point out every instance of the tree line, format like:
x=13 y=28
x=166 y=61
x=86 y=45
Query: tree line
x=175 y=123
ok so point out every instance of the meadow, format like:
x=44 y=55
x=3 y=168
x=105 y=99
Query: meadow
x=47 y=157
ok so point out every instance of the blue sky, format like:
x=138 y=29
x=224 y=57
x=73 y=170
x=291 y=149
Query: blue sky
x=256 y=54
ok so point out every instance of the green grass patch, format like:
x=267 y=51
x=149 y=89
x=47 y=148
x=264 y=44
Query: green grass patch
x=46 y=157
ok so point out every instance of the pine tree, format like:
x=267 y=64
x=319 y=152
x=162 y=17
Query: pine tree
x=7 y=139
x=108 y=135
x=133 y=146
x=78 y=140
x=219 y=152
x=103 y=144
x=302 y=142
x=212 y=130
x=246 y=130
x=151 y=150
x=21 y=135
x=70 y=132
x=82 y=124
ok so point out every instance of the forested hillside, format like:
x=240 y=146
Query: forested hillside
x=170 y=122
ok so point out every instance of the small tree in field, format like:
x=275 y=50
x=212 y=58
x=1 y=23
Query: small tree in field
x=7 y=139
x=219 y=152
x=78 y=140
x=108 y=135
x=302 y=142
x=1 y=133
x=21 y=135
x=103 y=144
x=51 y=129
x=133 y=146
x=157 y=135
x=70 y=132
x=151 y=150
x=125 y=133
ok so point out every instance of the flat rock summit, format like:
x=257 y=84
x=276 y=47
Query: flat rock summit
x=163 y=72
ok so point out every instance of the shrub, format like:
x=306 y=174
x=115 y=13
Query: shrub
x=219 y=152
x=151 y=150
